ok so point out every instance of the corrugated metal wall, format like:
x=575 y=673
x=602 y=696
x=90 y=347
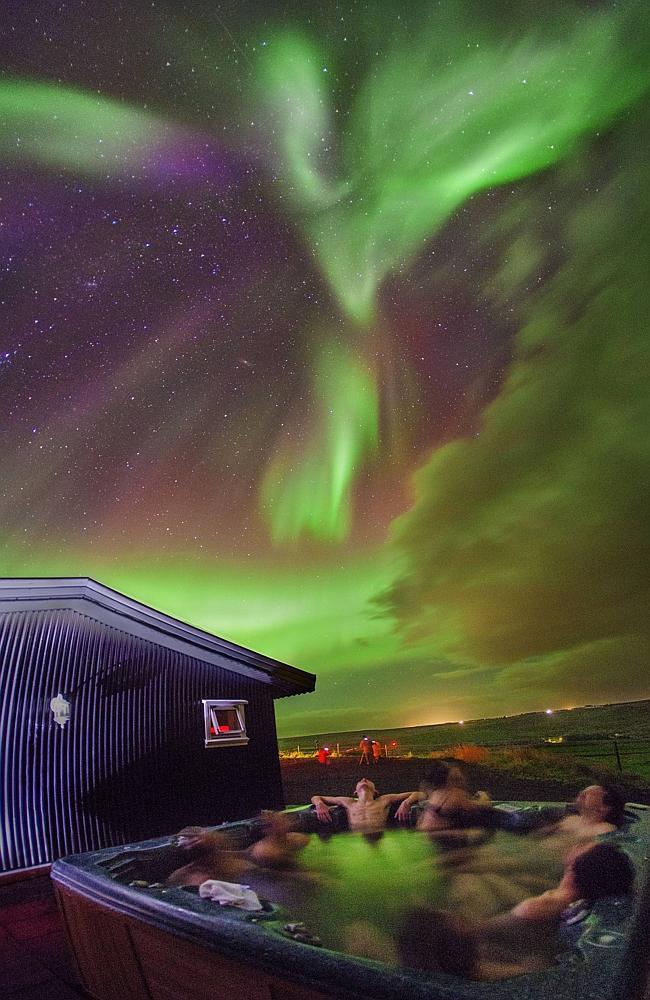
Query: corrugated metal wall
x=130 y=763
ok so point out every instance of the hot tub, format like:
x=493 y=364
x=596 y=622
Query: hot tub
x=134 y=938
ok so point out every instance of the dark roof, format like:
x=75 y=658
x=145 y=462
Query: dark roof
x=119 y=611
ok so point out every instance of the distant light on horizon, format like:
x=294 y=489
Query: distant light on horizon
x=461 y=722
x=549 y=711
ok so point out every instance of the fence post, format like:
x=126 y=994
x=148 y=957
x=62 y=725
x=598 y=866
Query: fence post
x=616 y=751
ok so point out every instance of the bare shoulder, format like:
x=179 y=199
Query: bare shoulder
x=448 y=799
x=571 y=822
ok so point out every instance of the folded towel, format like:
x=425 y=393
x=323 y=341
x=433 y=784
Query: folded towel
x=230 y=894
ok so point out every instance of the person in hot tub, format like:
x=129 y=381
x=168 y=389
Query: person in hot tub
x=214 y=856
x=446 y=803
x=523 y=940
x=211 y=856
x=597 y=810
x=591 y=871
x=280 y=844
x=482 y=880
x=367 y=811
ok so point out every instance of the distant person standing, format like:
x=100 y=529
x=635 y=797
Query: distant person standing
x=376 y=751
x=364 y=747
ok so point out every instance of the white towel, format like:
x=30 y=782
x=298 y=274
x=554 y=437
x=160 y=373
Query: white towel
x=230 y=894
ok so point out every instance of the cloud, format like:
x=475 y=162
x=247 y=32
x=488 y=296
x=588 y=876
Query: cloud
x=533 y=538
x=607 y=670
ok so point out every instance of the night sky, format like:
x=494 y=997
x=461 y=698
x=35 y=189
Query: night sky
x=324 y=328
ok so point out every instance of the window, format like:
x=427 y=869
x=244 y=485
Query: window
x=225 y=723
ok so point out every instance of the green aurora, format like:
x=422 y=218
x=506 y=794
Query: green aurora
x=346 y=428
x=436 y=119
x=415 y=162
x=63 y=127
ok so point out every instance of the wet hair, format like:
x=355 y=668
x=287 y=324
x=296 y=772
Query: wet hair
x=457 y=775
x=614 y=799
x=603 y=870
x=436 y=775
x=437 y=942
x=455 y=762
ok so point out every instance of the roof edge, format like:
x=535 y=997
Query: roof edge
x=292 y=680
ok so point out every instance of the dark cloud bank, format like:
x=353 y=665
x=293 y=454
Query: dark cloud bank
x=526 y=550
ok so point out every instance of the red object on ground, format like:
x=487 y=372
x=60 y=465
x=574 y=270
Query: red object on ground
x=323 y=754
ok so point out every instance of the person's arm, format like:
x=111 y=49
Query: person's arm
x=407 y=799
x=465 y=806
x=321 y=802
x=540 y=909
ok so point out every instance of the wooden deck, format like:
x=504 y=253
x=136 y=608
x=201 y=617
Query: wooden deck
x=35 y=962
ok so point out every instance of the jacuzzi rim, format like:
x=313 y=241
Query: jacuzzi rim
x=333 y=973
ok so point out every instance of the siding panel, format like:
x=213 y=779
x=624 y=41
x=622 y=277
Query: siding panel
x=130 y=763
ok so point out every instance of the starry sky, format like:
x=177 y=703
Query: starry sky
x=324 y=328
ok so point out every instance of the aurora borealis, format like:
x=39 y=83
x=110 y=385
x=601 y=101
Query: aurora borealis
x=324 y=329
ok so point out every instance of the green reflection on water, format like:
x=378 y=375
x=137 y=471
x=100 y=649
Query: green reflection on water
x=354 y=892
x=349 y=879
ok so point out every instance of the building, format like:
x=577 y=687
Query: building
x=118 y=722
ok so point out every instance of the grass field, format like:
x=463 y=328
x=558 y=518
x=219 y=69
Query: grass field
x=585 y=733
x=634 y=754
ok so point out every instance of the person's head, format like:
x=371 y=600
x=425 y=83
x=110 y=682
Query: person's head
x=603 y=802
x=435 y=776
x=456 y=777
x=199 y=839
x=365 y=787
x=614 y=802
x=601 y=870
x=191 y=837
x=437 y=942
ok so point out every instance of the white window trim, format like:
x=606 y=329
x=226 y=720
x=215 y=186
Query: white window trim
x=237 y=738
